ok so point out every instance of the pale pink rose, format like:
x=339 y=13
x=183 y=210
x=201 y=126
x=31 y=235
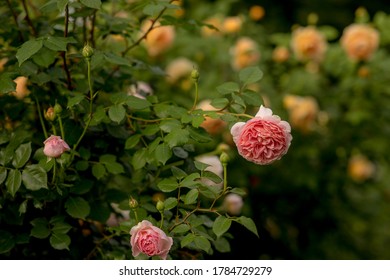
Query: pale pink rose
x=233 y=204
x=263 y=139
x=360 y=41
x=55 y=146
x=150 y=240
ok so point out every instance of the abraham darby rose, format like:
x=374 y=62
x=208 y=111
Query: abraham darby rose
x=150 y=240
x=55 y=146
x=263 y=139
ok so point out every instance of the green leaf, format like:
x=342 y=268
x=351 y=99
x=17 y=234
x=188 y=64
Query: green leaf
x=61 y=227
x=178 y=173
x=177 y=137
x=34 y=177
x=163 y=153
x=252 y=98
x=187 y=240
x=199 y=135
x=6 y=84
x=219 y=102
x=248 y=223
x=191 y=196
x=40 y=228
x=238 y=191
x=250 y=75
x=201 y=165
x=221 y=225
x=77 y=207
x=116 y=59
x=170 y=203
x=228 y=87
x=22 y=154
x=28 y=49
x=168 y=185
x=139 y=159
x=222 y=245
x=136 y=103
x=202 y=243
x=181 y=228
x=117 y=113
x=75 y=100
x=61 y=4
x=212 y=176
x=132 y=141
x=3 y=174
x=95 y=4
x=58 y=43
x=60 y=241
x=44 y=57
x=153 y=9
x=190 y=180
x=13 y=182
x=7 y=241
x=98 y=170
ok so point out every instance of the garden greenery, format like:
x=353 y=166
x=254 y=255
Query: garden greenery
x=117 y=115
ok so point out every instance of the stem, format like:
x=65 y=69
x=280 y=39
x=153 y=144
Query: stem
x=162 y=219
x=224 y=177
x=15 y=17
x=63 y=54
x=61 y=128
x=54 y=172
x=136 y=215
x=196 y=96
x=29 y=22
x=41 y=118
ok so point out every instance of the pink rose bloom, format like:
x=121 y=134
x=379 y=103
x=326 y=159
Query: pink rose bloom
x=150 y=240
x=55 y=146
x=263 y=139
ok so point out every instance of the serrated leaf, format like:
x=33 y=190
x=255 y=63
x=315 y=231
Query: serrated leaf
x=190 y=180
x=3 y=174
x=95 y=4
x=117 y=113
x=139 y=159
x=191 y=196
x=98 y=170
x=22 y=155
x=222 y=245
x=136 y=103
x=212 y=176
x=187 y=240
x=58 y=43
x=34 y=177
x=219 y=102
x=60 y=241
x=252 y=98
x=168 y=185
x=40 y=228
x=221 y=225
x=44 y=57
x=248 y=223
x=132 y=141
x=7 y=241
x=177 y=137
x=13 y=182
x=28 y=49
x=228 y=87
x=178 y=173
x=75 y=100
x=202 y=243
x=199 y=135
x=77 y=207
x=61 y=227
x=116 y=59
x=170 y=203
x=163 y=153
x=181 y=228
x=250 y=75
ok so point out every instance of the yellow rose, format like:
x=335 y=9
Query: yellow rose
x=360 y=168
x=159 y=39
x=359 y=41
x=244 y=53
x=308 y=43
x=232 y=25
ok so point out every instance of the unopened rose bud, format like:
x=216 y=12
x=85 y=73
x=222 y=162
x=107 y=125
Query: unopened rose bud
x=87 y=51
x=133 y=203
x=195 y=75
x=223 y=148
x=224 y=158
x=50 y=114
x=57 y=109
x=160 y=206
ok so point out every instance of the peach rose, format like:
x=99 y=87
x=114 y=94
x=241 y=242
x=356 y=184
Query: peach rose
x=55 y=146
x=256 y=12
x=231 y=25
x=21 y=88
x=308 y=43
x=359 y=41
x=303 y=111
x=263 y=139
x=216 y=22
x=159 y=39
x=244 y=53
x=150 y=240
x=280 y=54
x=179 y=68
x=360 y=168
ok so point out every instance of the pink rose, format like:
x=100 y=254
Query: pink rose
x=263 y=139
x=55 y=146
x=150 y=240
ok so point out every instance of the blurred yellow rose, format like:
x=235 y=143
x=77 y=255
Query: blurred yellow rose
x=21 y=88
x=244 y=53
x=359 y=41
x=159 y=39
x=308 y=43
x=256 y=12
x=360 y=168
x=280 y=54
x=232 y=25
